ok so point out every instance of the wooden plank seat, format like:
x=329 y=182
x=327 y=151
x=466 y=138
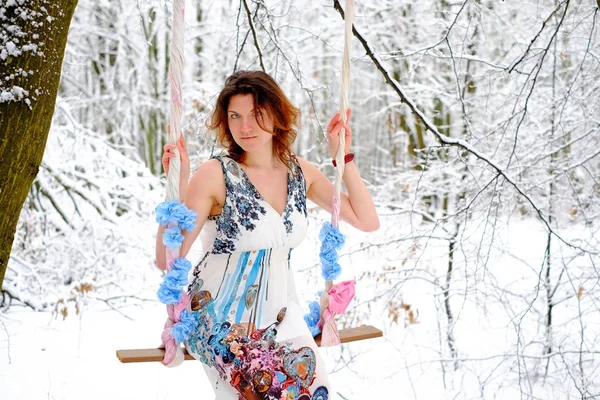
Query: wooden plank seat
x=149 y=355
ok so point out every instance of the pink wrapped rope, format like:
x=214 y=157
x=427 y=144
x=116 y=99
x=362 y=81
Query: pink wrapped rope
x=334 y=301
x=173 y=352
x=168 y=341
x=335 y=210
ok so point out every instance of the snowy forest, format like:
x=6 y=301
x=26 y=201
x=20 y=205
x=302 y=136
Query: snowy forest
x=476 y=127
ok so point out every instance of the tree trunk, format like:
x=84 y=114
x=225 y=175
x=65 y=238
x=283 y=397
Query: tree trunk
x=31 y=58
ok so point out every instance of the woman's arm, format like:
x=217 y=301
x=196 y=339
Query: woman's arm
x=357 y=208
x=201 y=194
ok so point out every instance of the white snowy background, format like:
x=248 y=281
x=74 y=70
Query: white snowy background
x=493 y=245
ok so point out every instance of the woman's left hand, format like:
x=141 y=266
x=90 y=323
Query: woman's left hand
x=333 y=132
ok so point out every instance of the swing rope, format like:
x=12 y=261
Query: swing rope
x=176 y=60
x=174 y=213
x=344 y=94
x=335 y=298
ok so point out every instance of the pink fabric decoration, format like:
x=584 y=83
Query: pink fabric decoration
x=168 y=341
x=338 y=298
x=340 y=295
x=329 y=332
x=173 y=353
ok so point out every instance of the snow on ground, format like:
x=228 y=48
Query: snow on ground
x=43 y=357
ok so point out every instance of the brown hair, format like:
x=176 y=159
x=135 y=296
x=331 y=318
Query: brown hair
x=268 y=96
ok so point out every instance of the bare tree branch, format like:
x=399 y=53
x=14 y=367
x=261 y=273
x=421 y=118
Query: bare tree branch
x=260 y=56
x=445 y=140
x=538 y=35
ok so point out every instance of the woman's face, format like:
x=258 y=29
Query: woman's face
x=242 y=121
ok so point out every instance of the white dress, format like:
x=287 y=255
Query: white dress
x=251 y=334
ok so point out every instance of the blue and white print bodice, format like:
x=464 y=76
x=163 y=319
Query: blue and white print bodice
x=245 y=269
x=248 y=222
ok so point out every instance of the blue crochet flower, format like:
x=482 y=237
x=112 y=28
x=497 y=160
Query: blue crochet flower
x=315 y=308
x=181 y=330
x=312 y=318
x=185 y=218
x=168 y=295
x=181 y=264
x=176 y=279
x=172 y=238
x=165 y=210
x=313 y=326
x=331 y=272
x=314 y=330
x=331 y=237
x=328 y=257
x=174 y=211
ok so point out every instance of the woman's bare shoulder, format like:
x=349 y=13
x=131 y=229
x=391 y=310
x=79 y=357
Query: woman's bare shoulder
x=304 y=164
x=211 y=165
x=208 y=178
x=308 y=168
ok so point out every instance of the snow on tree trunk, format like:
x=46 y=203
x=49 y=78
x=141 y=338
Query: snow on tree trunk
x=33 y=36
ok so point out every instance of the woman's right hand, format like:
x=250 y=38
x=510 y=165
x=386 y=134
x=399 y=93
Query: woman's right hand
x=184 y=173
x=170 y=153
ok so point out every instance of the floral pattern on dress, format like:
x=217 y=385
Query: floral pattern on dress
x=255 y=364
x=243 y=206
x=240 y=202
x=297 y=193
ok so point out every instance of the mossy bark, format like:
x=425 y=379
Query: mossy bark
x=24 y=127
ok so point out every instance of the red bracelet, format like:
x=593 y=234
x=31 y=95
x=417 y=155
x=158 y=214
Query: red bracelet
x=347 y=158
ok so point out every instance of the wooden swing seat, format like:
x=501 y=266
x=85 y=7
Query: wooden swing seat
x=148 y=355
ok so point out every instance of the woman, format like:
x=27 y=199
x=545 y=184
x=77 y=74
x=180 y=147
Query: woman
x=251 y=211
